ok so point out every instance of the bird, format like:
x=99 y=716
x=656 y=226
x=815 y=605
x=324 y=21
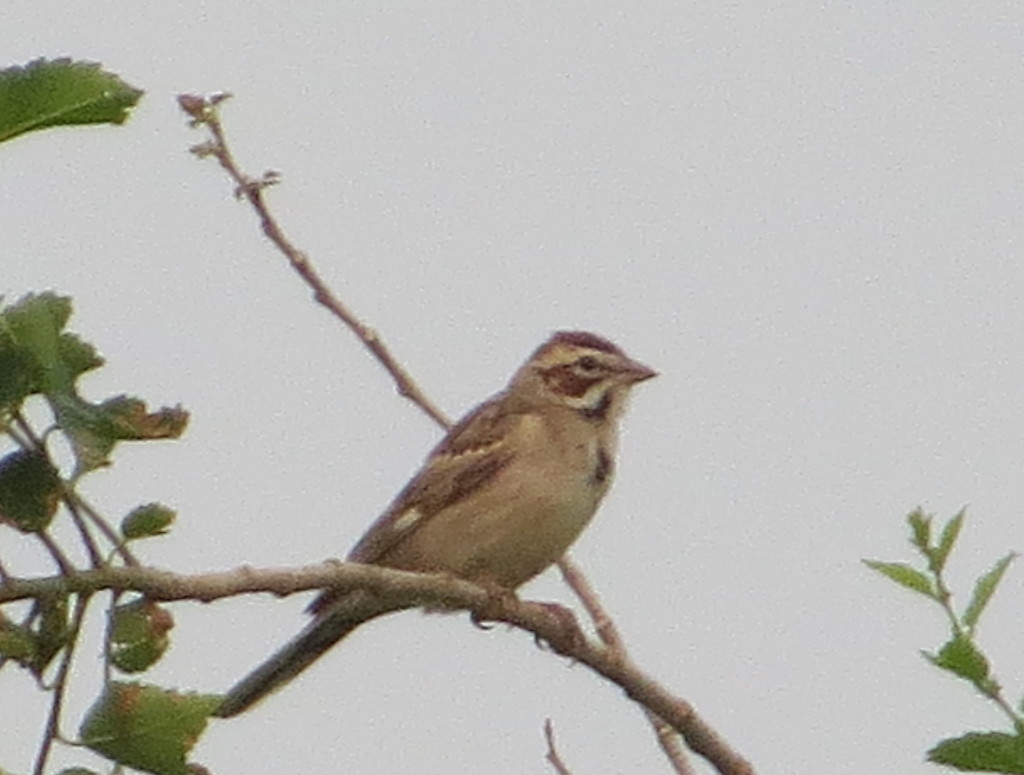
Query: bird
x=500 y=499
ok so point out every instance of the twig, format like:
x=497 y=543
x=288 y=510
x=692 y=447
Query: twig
x=27 y=438
x=552 y=755
x=95 y=558
x=60 y=687
x=58 y=556
x=20 y=425
x=203 y=112
x=75 y=502
x=667 y=737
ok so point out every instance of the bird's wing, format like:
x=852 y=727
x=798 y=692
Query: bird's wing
x=471 y=454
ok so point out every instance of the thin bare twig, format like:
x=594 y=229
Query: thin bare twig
x=95 y=558
x=21 y=426
x=203 y=112
x=552 y=755
x=76 y=502
x=28 y=439
x=667 y=737
x=60 y=687
x=58 y=556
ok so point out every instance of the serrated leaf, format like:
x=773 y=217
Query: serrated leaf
x=41 y=356
x=139 y=635
x=950 y=532
x=38 y=314
x=920 y=529
x=984 y=589
x=30 y=489
x=33 y=325
x=981 y=752
x=133 y=422
x=152 y=519
x=94 y=429
x=904 y=575
x=76 y=355
x=146 y=727
x=49 y=93
x=51 y=360
x=961 y=657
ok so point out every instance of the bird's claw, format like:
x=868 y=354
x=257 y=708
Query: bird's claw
x=567 y=636
x=499 y=601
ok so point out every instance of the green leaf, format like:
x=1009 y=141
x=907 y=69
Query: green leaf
x=946 y=541
x=16 y=642
x=981 y=752
x=146 y=727
x=17 y=373
x=32 y=338
x=94 y=429
x=77 y=356
x=138 y=635
x=31 y=333
x=61 y=92
x=984 y=589
x=905 y=575
x=49 y=360
x=30 y=489
x=51 y=633
x=153 y=519
x=920 y=530
x=35 y=646
x=961 y=657
x=36 y=321
x=77 y=771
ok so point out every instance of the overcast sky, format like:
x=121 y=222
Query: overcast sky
x=806 y=216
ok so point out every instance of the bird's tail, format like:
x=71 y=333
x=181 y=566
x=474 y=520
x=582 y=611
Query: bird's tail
x=294 y=657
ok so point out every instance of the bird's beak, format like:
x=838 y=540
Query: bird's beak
x=634 y=372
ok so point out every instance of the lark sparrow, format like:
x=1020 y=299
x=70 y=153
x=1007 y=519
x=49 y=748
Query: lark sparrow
x=500 y=499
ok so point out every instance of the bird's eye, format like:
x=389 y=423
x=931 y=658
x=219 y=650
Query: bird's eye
x=588 y=363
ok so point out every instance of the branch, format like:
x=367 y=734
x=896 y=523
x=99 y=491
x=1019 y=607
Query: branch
x=559 y=631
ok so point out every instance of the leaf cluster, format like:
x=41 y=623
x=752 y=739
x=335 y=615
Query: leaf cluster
x=961 y=654
x=41 y=365
x=40 y=361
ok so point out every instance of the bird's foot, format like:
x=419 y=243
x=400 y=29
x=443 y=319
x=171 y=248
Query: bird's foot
x=500 y=601
x=565 y=634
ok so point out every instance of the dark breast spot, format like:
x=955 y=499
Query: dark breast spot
x=603 y=468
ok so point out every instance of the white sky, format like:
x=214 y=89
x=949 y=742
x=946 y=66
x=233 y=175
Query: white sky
x=806 y=216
